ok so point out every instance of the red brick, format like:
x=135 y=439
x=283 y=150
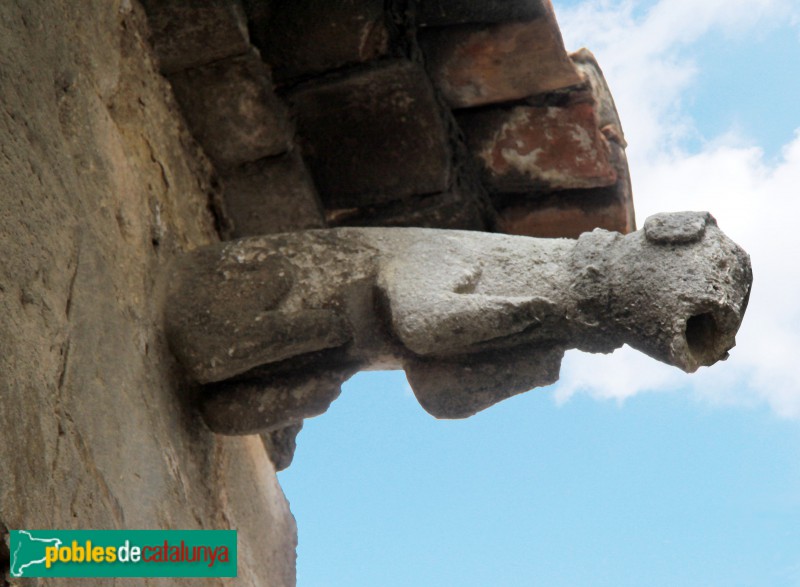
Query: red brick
x=374 y=136
x=450 y=12
x=607 y=116
x=563 y=218
x=301 y=37
x=623 y=190
x=189 y=33
x=453 y=210
x=232 y=110
x=570 y=213
x=270 y=196
x=475 y=65
x=534 y=148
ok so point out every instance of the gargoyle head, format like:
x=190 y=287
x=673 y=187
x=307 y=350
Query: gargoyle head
x=680 y=289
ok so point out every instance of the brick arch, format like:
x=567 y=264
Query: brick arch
x=437 y=113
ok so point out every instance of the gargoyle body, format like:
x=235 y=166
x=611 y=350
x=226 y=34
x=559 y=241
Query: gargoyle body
x=271 y=326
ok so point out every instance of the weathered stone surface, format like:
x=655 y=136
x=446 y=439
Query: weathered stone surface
x=270 y=403
x=281 y=444
x=302 y=37
x=488 y=314
x=477 y=65
x=232 y=110
x=272 y=195
x=253 y=503
x=189 y=33
x=529 y=148
x=675 y=229
x=450 y=12
x=373 y=136
x=102 y=185
x=437 y=382
x=454 y=210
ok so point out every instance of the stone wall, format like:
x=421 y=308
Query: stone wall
x=101 y=187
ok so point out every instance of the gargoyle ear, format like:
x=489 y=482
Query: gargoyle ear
x=677 y=228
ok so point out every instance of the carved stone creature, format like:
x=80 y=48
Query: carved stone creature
x=272 y=326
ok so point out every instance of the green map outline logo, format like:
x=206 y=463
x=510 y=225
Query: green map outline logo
x=17 y=570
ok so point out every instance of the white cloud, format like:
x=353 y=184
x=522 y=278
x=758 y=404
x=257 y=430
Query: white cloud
x=756 y=202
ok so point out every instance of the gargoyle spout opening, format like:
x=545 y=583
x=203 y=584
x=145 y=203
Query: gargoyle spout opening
x=705 y=339
x=701 y=334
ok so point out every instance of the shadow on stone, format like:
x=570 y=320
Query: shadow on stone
x=281 y=444
x=5 y=557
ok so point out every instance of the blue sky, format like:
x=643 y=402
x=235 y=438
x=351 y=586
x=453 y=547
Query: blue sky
x=661 y=491
x=626 y=472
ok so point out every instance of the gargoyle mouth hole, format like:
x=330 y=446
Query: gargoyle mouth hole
x=702 y=334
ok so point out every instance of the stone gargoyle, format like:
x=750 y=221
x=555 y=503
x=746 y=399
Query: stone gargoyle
x=272 y=326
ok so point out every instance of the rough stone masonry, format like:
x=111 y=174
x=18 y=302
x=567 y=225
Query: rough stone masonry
x=101 y=185
x=272 y=325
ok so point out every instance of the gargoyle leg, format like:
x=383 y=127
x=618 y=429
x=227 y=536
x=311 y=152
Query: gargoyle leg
x=443 y=322
x=459 y=387
x=264 y=404
x=216 y=349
